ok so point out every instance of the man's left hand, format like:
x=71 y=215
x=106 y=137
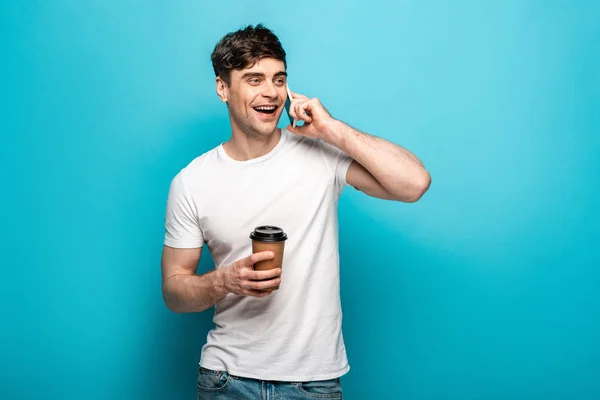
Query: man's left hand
x=317 y=120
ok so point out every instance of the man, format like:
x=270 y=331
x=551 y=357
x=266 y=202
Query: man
x=285 y=343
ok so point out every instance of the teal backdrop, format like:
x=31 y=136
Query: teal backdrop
x=487 y=288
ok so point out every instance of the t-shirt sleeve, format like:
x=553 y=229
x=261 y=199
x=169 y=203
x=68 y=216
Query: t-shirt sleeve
x=182 y=228
x=338 y=162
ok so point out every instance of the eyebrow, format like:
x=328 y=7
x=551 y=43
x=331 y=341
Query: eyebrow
x=261 y=75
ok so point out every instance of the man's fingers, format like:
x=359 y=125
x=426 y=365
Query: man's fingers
x=256 y=257
x=258 y=285
x=303 y=110
x=256 y=293
x=295 y=112
x=261 y=275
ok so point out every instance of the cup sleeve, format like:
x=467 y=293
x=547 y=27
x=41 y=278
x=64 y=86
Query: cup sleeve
x=182 y=228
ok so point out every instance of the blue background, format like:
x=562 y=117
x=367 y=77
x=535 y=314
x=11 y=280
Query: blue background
x=485 y=289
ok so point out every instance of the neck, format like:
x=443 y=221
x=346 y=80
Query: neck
x=243 y=146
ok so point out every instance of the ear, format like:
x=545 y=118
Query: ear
x=222 y=89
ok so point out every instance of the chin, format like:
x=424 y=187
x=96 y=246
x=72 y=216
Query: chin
x=266 y=130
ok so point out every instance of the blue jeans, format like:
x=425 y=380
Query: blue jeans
x=220 y=385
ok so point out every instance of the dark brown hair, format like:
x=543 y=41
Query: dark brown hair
x=243 y=48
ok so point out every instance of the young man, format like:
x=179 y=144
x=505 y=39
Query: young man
x=287 y=342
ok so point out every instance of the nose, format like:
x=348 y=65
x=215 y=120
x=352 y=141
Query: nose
x=270 y=90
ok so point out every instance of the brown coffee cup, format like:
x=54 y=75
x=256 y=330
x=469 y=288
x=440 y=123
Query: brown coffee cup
x=269 y=238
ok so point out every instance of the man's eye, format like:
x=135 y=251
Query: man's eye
x=254 y=80
x=280 y=81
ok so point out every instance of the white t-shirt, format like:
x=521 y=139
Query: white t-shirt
x=296 y=333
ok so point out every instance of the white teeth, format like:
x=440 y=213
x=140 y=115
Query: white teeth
x=268 y=108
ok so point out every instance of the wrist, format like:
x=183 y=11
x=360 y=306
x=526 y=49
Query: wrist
x=220 y=281
x=334 y=134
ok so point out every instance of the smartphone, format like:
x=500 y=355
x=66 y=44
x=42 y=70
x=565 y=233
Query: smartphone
x=288 y=103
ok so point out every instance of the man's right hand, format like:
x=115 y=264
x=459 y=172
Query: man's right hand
x=240 y=277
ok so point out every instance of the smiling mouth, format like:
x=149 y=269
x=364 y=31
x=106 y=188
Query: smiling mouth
x=266 y=109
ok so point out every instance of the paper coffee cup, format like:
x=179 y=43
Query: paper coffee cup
x=269 y=238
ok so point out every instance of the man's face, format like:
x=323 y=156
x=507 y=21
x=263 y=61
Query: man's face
x=256 y=97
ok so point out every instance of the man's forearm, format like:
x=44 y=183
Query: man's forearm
x=194 y=293
x=395 y=168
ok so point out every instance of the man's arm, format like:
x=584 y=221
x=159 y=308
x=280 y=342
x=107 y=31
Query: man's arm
x=184 y=291
x=379 y=168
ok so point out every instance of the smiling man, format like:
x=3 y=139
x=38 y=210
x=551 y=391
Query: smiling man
x=285 y=343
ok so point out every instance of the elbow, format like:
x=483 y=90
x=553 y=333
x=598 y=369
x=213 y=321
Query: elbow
x=420 y=187
x=174 y=307
x=171 y=305
x=170 y=300
x=423 y=185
